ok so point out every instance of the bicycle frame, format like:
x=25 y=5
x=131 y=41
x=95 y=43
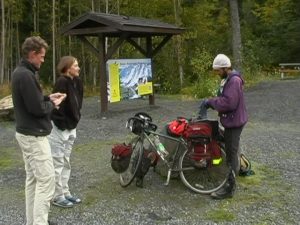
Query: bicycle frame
x=199 y=176
x=172 y=166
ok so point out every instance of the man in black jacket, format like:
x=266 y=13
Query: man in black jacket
x=32 y=113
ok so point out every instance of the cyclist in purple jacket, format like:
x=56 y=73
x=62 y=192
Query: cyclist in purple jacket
x=230 y=105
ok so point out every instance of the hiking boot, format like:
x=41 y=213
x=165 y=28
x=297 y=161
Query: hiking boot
x=224 y=192
x=228 y=189
x=52 y=223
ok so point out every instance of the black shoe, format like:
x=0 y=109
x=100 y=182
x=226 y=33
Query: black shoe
x=227 y=190
x=146 y=163
x=139 y=182
x=223 y=192
x=52 y=223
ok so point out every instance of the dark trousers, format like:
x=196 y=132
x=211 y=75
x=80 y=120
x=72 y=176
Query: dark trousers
x=232 y=142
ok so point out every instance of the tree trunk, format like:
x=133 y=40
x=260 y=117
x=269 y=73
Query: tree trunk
x=18 y=55
x=236 y=34
x=2 y=43
x=69 y=20
x=34 y=16
x=53 y=41
x=10 y=45
x=178 y=43
x=93 y=5
x=106 y=11
x=38 y=16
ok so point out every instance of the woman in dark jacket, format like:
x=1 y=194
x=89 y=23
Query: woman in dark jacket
x=230 y=105
x=64 y=121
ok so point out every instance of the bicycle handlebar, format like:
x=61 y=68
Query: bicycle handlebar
x=145 y=124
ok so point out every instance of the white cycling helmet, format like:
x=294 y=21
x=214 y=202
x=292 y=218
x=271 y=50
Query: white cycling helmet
x=221 y=61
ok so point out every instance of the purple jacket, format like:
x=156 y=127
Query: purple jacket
x=231 y=104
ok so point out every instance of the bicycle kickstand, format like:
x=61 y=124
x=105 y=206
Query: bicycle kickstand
x=168 y=178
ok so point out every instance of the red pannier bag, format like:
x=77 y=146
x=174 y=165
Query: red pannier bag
x=121 y=150
x=206 y=154
x=177 y=127
x=204 y=149
x=199 y=130
x=120 y=158
x=200 y=152
x=215 y=150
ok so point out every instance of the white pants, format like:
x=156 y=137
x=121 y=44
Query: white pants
x=61 y=143
x=40 y=182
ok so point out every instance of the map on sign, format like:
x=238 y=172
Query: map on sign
x=128 y=78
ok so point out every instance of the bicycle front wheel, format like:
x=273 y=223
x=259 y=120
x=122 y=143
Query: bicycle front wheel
x=203 y=179
x=135 y=161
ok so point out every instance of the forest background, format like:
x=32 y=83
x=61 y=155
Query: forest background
x=262 y=34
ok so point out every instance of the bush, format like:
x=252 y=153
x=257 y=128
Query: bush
x=205 y=86
x=255 y=76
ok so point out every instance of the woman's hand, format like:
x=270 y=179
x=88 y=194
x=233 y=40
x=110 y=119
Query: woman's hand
x=57 y=98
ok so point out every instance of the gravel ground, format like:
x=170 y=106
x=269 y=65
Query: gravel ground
x=271 y=139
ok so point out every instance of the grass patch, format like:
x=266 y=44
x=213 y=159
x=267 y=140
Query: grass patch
x=265 y=187
x=288 y=154
x=89 y=156
x=5 y=163
x=220 y=215
x=93 y=145
x=262 y=173
x=15 y=193
x=92 y=195
x=8 y=159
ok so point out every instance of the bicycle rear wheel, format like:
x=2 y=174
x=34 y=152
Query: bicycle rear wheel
x=202 y=179
x=135 y=160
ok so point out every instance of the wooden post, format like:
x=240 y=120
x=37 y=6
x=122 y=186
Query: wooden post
x=103 y=77
x=149 y=55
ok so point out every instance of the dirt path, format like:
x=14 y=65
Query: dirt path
x=271 y=139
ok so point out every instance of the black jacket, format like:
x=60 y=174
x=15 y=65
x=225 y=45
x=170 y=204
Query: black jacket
x=32 y=108
x=68 y=114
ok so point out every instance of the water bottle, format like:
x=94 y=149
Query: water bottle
x=160 y=147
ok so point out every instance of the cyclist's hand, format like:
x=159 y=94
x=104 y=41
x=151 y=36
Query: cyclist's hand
x=203 y=109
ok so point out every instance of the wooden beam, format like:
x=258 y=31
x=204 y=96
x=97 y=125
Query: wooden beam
x=115 y=46
x=89 y=45
x=151 y=30
x=161 y=44
x=136 y=45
